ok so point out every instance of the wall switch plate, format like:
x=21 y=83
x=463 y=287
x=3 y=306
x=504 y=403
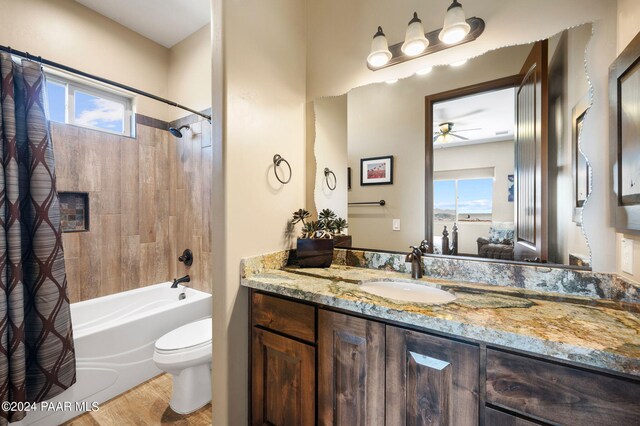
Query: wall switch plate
x=396 y=224
x=626 y=254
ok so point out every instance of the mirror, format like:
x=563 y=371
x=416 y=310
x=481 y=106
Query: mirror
x=504 y=188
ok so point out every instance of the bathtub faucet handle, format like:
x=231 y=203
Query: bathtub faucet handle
x=187 y=257
x=177 y=281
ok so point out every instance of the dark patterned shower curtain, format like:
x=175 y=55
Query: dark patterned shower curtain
x=37 y=359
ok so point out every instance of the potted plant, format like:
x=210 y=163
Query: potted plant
x=335 y=226
x=314 y=248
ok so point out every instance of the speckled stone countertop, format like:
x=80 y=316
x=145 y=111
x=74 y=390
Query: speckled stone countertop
x=596 y=332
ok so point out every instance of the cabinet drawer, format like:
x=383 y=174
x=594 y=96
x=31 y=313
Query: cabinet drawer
x=560 y=394
x=498 y=418
x=291 y=318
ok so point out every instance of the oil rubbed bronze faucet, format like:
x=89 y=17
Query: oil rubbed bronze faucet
x=177 y=281
x=415 y=257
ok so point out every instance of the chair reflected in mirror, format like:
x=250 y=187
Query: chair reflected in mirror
x=499 y=243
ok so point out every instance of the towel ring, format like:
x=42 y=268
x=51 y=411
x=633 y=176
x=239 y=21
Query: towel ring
x=277 y=159
x=328 y=172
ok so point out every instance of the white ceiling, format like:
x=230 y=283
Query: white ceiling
x=166 y=22
x=492 y=113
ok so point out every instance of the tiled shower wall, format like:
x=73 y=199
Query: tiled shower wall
x=149 y=198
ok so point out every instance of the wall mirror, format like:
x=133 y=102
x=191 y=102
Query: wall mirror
x=488 y=149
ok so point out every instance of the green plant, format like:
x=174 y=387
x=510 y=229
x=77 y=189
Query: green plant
x=340 y=225
x=328 y=224
x=300 y=216
x=315 y=229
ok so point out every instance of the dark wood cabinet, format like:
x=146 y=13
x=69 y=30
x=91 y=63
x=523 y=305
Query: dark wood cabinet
x=283 y=380
x=494 y=417
x=372 y=373
x=430 y=380
x=351 y=370
x=284 y=316
x=560 y=394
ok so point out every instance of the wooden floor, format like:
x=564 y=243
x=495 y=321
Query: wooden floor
x=146 y=404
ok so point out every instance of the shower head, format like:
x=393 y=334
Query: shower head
x=176 y=132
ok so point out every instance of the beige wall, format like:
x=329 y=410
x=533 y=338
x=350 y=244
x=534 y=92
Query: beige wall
x=331 y=152
x=146 y=202
x=69 y=33
x=64 y=31
x=190 y=73
x=628 y=27
x=628 y=22
x=339 y=51
x=259 y=98
x=389 y=119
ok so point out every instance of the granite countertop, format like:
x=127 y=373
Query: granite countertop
x=596 y=332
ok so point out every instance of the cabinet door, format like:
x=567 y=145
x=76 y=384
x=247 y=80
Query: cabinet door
x=283 y=381
x=350 y=371
x=431 y=380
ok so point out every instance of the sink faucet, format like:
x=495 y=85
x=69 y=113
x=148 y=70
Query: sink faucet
x=177 y=281
x=415 y=257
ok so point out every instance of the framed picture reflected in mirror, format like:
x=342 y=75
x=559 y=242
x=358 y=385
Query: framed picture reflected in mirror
x=376 y=170
x=624 y=119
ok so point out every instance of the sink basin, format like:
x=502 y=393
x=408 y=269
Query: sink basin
x=407 y=292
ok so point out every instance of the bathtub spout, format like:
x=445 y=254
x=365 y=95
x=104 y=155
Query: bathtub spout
x=177 y=281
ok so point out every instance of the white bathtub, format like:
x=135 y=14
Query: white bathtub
x=114 y=339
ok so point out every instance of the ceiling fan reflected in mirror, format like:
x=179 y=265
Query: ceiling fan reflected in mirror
x=446 y=133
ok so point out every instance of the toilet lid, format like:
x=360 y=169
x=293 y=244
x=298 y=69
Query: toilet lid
x=187 y=336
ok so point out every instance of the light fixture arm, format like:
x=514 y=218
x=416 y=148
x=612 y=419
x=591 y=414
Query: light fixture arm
x=453 y=4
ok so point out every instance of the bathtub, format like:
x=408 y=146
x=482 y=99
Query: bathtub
x=114 y=338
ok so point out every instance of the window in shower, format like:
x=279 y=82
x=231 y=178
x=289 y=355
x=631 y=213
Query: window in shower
x=73 y=102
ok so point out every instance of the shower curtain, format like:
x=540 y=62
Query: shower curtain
x=37 y=358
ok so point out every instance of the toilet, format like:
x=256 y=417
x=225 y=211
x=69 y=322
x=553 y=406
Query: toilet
x=185 y=353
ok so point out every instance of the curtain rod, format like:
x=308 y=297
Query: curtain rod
x=49 y=63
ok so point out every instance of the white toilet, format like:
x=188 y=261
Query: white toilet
x=185 y=353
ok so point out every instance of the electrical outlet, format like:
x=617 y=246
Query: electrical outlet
x=626 y=253
x=396 y=224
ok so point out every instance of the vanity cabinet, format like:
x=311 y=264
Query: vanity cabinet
x=370 y=373
x=283 y=380
x=498 y=418
x=351 y=370
x=283 y=368
x=560 y=394
x=311 y=365
x=430 y=380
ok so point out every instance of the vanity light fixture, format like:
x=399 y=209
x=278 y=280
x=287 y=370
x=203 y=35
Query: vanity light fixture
x=380 y=54
x=455 y=26
x=457 y=30
x=414 y=40
x=424 y=71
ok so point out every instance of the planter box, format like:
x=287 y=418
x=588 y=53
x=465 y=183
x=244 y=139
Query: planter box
x=342 y=241
x=314 y=253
